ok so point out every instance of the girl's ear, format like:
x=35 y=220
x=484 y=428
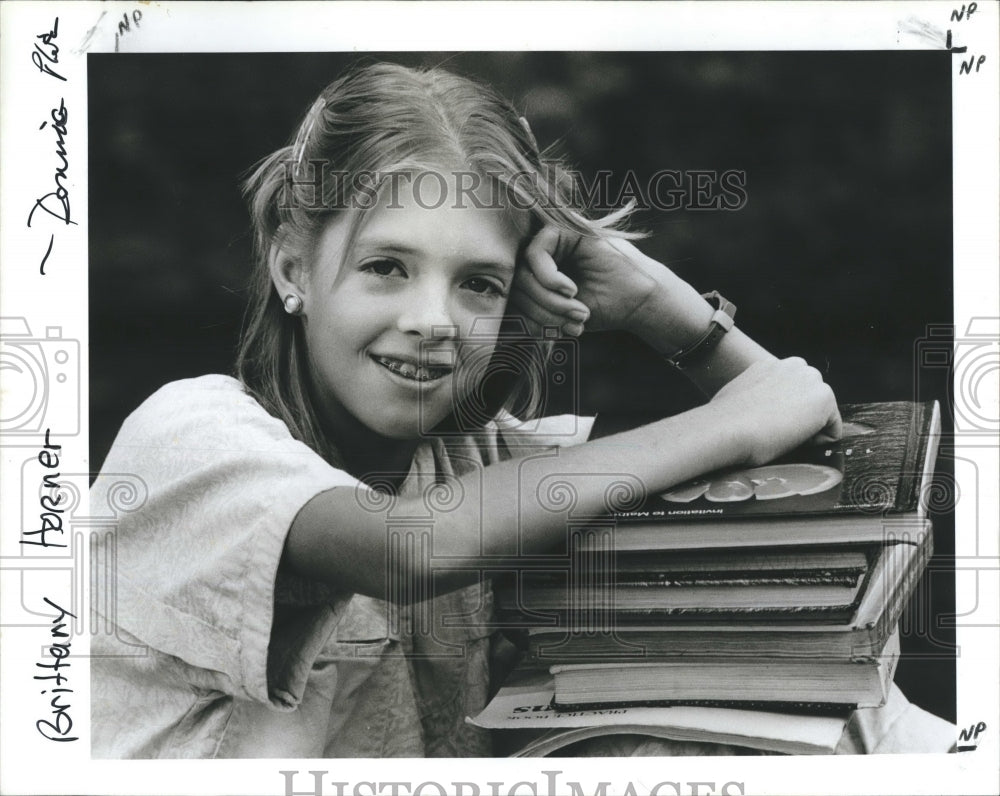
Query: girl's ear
x=288 y=272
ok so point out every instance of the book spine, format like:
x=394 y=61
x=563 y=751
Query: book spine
x=858 y=645
x=821 y=578
x=896 y=604
x=593 y=618
x=771 y=706
x=664 y=580
x=922 y=437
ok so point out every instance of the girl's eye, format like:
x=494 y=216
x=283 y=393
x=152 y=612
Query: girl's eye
x=383 y=268
x=485 y=287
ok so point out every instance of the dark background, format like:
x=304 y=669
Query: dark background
x=842 y=253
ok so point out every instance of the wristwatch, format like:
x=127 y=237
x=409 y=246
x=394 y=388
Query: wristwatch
x=721 y=322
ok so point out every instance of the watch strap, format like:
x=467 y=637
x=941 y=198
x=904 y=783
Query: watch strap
x=720 y=323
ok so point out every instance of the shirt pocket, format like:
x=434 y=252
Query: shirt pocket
x=365 y=626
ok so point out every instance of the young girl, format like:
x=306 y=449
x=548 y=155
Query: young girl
x=303 y=574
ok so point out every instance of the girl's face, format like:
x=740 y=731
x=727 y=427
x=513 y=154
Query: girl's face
x=389 y=326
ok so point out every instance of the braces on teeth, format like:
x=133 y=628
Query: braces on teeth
x=409 y=371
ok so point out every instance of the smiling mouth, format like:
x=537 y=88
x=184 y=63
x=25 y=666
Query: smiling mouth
x=408 y=370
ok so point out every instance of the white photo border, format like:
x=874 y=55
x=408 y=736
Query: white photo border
x=53 y=306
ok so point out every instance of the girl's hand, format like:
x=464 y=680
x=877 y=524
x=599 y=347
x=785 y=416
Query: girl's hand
x=605 y=283
x=775 y=406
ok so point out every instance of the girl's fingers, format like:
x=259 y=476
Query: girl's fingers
x=557 y=304
x=540 y=316
x=834 y=428
x=539 y=256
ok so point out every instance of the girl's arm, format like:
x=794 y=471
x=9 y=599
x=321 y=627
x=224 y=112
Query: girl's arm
x=619 y=287
x=674 y=298
x=610 y=284
x=766 y=410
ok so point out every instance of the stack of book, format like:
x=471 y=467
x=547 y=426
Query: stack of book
x=775 y=588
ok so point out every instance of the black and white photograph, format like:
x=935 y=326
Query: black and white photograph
x=453 y=403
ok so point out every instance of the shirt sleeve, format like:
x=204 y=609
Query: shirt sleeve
x=552 y=431
x=213 y=483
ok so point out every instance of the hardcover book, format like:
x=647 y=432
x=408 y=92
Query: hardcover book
x=682 y=600
x=854 y=490
x=800 y=684
x=712 y=585
x=523 y=707
x=894 y=573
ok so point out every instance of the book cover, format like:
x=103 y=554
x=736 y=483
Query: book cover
x=876 y=466
x=852 y=490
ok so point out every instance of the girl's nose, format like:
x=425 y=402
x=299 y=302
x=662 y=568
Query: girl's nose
x=428 y=313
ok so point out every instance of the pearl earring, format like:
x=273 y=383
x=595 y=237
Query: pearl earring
x=293 y=304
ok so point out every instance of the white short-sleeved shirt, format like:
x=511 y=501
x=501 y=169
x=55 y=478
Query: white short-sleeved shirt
x=209 y=652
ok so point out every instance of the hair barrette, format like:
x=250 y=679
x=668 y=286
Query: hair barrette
x=299 y=149
x=527 y=129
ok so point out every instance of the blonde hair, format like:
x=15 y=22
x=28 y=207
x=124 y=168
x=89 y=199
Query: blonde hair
x=380 y=119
